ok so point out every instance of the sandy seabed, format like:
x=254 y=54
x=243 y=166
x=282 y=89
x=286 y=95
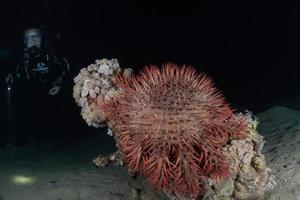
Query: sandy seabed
x=46 y=172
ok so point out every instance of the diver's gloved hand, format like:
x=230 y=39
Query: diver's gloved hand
x=55 y=90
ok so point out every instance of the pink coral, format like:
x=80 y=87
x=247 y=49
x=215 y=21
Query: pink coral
x=171 y=125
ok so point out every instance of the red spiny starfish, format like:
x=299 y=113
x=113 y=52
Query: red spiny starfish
x=171 y=125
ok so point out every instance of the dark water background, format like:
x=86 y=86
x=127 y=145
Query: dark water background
x=250 y=49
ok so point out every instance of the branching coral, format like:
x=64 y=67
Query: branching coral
x=172 y=125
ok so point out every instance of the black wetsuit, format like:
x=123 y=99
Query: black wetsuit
x=38 y=72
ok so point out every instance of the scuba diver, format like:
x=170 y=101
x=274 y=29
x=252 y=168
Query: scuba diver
x=38 y=81
x=40 y=65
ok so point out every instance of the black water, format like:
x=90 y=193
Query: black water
x=249 y=49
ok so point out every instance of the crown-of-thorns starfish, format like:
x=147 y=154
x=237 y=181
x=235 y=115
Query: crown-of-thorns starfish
x=171 y=125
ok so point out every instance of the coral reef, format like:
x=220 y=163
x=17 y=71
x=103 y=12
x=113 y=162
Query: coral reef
x=175 y=128
x=95 y=84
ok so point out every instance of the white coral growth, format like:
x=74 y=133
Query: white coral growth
x=95 y=84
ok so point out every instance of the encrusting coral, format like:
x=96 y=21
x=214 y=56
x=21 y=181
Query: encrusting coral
x=175 y=128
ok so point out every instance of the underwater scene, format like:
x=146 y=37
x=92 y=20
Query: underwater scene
x=122 y=100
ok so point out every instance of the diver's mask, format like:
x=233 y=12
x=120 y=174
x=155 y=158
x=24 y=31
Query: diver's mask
x=33 y=39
